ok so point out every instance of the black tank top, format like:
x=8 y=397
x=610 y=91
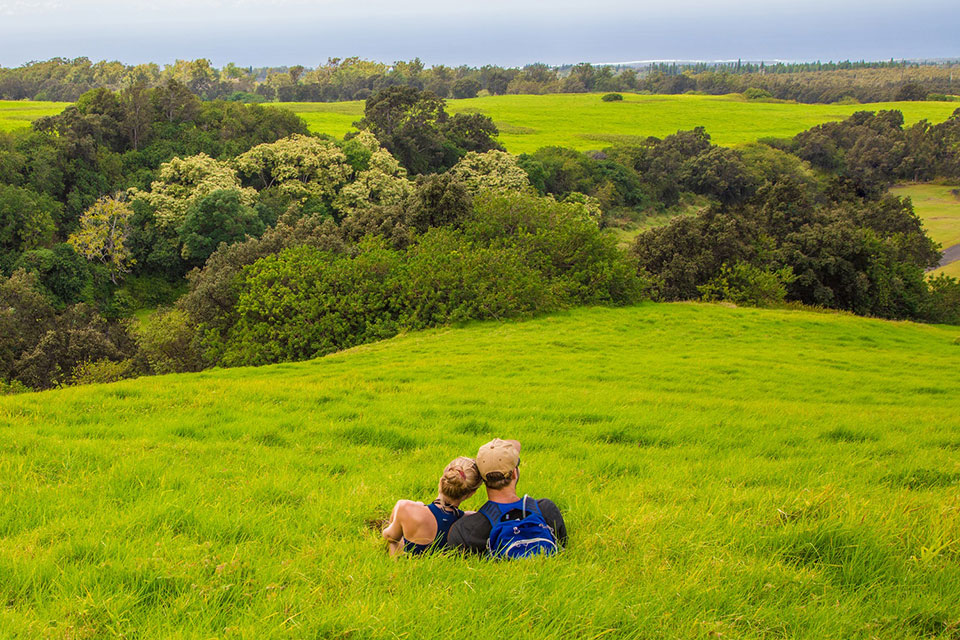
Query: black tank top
x=445 y=520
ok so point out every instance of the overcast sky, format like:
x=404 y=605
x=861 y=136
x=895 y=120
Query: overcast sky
x=510 y=32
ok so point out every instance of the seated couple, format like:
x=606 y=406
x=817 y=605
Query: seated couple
x=506 y=525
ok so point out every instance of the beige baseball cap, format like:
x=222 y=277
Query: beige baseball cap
x=498 y=455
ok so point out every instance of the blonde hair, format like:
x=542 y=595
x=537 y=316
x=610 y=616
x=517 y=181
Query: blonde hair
x=460 y=479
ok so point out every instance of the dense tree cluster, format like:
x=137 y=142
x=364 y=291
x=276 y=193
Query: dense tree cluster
x=262 y=243
x=836 y=241
x=356 y=79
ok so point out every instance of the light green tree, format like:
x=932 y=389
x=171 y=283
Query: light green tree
x=183 y=181
x=299 y=166
x=496 y=170
x=384 y=182
x=102 y=233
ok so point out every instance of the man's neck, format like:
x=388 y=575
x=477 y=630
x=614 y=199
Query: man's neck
x=505 y=495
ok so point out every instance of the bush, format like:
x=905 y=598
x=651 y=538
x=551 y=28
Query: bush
x=746 y=284
x=102 y=371
x=612 y=97
x=304 y=302
x=942 y=304
x=167 y=341
x=514 y=255
x=753 y=93
x=13 y=387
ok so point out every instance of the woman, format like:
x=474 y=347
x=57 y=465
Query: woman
x=415 y=527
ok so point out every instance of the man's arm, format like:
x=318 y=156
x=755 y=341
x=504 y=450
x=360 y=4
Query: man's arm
x=553 y=517
x=469 y=533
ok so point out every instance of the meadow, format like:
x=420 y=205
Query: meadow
x=938 y=205
x=724 y=472
x=18 y=114
x=584 y=122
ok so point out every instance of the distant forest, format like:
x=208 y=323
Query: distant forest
x=356 y=79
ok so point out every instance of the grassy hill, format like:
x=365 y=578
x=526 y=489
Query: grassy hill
x=583 y=121
x=723 y=471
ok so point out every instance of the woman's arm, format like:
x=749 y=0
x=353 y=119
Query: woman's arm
x=393 y=532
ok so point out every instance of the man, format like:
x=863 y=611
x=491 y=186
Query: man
x=498 y=462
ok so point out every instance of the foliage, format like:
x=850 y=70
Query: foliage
x=299 y=166
x=746 y=284
x=612 y=97
x=220 y=217
x=183 y=181
x=102 y=235
x=383 y=183
x=414 y=127
x=61 y=271
x=13 y=387
x=27 y=219
x=493 y=170
x=167 y=341
x=102 y=372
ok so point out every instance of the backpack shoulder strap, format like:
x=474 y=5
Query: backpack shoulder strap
x=491 y=511
x=529 y=504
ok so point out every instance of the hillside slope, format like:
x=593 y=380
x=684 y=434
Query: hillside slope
x=723 y=471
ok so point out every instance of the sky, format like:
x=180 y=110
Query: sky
x=505 y=32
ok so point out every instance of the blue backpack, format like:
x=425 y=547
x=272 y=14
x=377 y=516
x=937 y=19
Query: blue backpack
x=518 y=530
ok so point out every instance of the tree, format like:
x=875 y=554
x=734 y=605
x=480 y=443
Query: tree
x=466 y=88
x=494 y=170
x=26 y=219
x=220 y=217
x=62 y=271
x=102 y=236
x=298 y=166
x=407 y=122
x=183 y=181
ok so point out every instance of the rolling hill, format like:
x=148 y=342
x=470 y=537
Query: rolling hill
x=724 y=472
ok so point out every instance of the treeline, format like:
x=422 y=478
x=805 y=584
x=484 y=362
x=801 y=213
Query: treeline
x=357 y=79
x=261 y=243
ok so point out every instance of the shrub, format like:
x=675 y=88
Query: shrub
x=102 y=371
x=754 y=93
x=304 y=302
x=612 y=97
x=942 y=304
x=746 y=284
x=167 y=341
x=13 y=387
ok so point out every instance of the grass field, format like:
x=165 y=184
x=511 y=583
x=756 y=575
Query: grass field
x=724 y=472
x=18 y=114
x=583 y=121
x=939 y=207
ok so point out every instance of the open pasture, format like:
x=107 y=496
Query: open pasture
x=585 y=122
x=724 y=472
x=18 y=114
x=938 y=205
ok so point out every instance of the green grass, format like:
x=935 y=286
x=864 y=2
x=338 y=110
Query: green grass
x=18 y=114
x=939 y=208
x=755 y=474
x=583 y=121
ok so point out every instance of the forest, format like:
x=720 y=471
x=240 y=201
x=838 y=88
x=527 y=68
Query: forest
x=354 y=78
x=147 y=231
